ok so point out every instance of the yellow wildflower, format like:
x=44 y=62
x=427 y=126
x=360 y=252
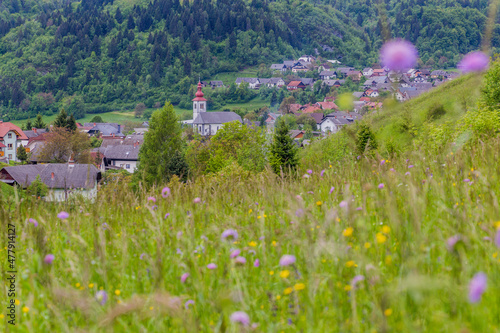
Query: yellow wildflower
x=77 y=285
x=319 y=203
x=288 y=291
x=265 y=215
x=26 y=309
x=284 y=274
x=299 y=286
x=117 y=292
x=17 y=302
x=497 y=225
x=367 y=245
x=388 y=312
x=1 y=315
x=259 y=217
x=347 y=287
x=348 y=232
x=273 y=243
x=381 y=238
x=91 y=285
x=249 y=211
x=252 y=244
x=271 y=273
x=386 y=229
x=277 y=297
x=495 y=255
x=388 y=260
x=151 y=308
x=350 y=264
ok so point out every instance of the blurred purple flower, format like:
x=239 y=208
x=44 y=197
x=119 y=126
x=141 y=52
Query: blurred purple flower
x=466 y=180
x=332 y=189
x=452 y=241
x=152 y=199
x=322 y=172
x=310 y=192
x=287 y=260
x=306 y=176
x=398 y=55
x=382 y=162
x=179 y=234
x=343 y=204
x=142 y=256
x=256 y=263
x=298 y=197
x=167 y=215
x=197 y=200
x=309 y=171
x=179 y=251
x=235 y=253
x=212 y=266
x=35 y=223
x=184 y=277
x=49 y=258
x=497 y=238
x=240 y=317
x=154 y=207
x=474 y=62
x=477 y=286
x=407 y=173
x=356 y=280
x=240 y=260
x=381 y=185
x=410 y=166
x=359 y=208
x=165 y=192
x=186 y=305
x=63 y=215
x=262 y=237
x=230 y=233
x=101 y=297
x=299 y=212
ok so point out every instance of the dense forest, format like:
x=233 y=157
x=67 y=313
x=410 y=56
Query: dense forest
x=94 y=56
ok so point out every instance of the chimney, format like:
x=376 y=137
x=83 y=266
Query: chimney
x=119 y=127
x=113 y=135
x=34 y=129
x=95 y=124
x=52 y=176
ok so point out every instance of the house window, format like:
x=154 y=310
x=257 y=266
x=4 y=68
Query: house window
x=127 y=166
x=121 y=166
x=9 y=135
x=202 y=106
x=10 y=156
x=9 y=147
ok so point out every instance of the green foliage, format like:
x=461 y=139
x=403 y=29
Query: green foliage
x=365 y=139
x=39 y=122
x=37 y=188
x=61 y=120
x=27 y=126
x=325 y=151
x=162 y=143
x=491 y=92
x=96 y=119
x=283 y=155
x=436 y=112
x=21 y=153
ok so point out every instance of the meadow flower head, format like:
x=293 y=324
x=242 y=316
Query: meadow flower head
x=359 y=208
x=343 y=204
x=322 y=172
x=240 y=317
x=497 y=238
x=357 y=279
x=299 y=212
x=398 y=55
x=184 y=277
x=451 y=242
x=474 y=62
x=382 y=162
x=287 y=260
x=256 y=263
x=153 y=199
x=477 y=286
x=466 y=180
x=407 y=173
x=167 y=215
x=63 y=215
x=332 y=189
x=235 y=253
x=35 y=222
x=197 y=200
x=240 y=260
x=186 y=305
x=392 y=169
x=165 y=192
x=142 y=256
x=381 y=185
x=101 y=297
x=309 y=171
x=410 y=166
x=49 y=258
x=211 y=266
x=230 y=233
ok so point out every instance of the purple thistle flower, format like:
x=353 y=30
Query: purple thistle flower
x=235 y=253
x=63 y=215
x=497 y=238
x=322 y=173
x=152 y=199
x=466 y=180
x=184 y=277
x=410 y=166
x=179 y=251
x=343 y=204
x=262 y=237
x=382 y=162
x=452 y=241
x=477 y=286
x=35 y=222
x=381 y=185
x=407 y=173
x=167 y=215
x=240 y=260
x=240 y=317
x=211 y=266
x=165 y=192
x=101 y=297
x=287 y=260
x=398 y=55
x=332 y=189
x=474 y=62
x=230 y=233
x=49 y=258
x=309 y=171
x=188 y=303
x=356 y=280
x=359 y=208
x=310 y=192
x=306 y=176
x=154 y=207
x=197 y=200
x=256 y=263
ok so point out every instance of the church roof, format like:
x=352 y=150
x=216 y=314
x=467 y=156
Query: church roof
x=216 y=118
x=199 y=94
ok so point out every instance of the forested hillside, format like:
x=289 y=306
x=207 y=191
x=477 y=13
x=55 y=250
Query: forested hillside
x=98 y=55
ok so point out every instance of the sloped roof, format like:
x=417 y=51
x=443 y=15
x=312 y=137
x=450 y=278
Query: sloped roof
x=122 y=152
x=32 y=134
x=54 y=176
x=317 y=116
x=295 y=83
x=7 y=127
x=216 y=118
x=328 y=105
x=311 y=109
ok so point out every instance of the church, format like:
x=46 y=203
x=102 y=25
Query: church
x=208 y=123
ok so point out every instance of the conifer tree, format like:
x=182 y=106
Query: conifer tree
x=27 y=126
x=71 y=123
x=283 y=151
x=61 y=119
x=21 y=154
x=39 y=122
x=365 y=139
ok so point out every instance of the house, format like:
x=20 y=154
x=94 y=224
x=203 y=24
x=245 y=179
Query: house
x=307 y=81
x=378 y=72
x=367 y=72
x=311 y=109
x=278 y=67
x=334 y=121
x=289 y=64
x=271 y=120
x=425 y=73
x=437 y=73
x=216 y=84
x=307 y=58
x=371 y=93
x=327 y=75
x=104 y=129
x=344 y=70
x=324 y=67
x=274 y=82
x=294 y=85
x=327 y=105
x=122 y=157
x=253 y=82
x=420 y=78
x=63 y=181
x=318 y=117
x=355 y=75
x=300 y=68
x=11 y=137
x=208 y=123
x=358 y=94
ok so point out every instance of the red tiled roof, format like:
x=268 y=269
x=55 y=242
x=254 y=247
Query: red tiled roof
x=295 y=107
x=295 y=83
x=7 y=127
x=311 y=109
x=365 y=99
x=328 y=105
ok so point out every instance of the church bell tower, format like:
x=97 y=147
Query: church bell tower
x=199 y=103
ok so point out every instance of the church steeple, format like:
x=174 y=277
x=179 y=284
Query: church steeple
x=199 y=103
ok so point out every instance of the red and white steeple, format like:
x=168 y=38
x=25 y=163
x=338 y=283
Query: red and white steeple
x=199 y=103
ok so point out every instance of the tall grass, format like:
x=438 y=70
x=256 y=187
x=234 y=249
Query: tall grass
x=124 y=245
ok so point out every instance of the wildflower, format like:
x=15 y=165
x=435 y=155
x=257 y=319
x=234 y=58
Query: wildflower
x=49 y=258
x=381 y=238
x=287 y=260
x=474 y=62
x=392 y=169
x=367 y=245
x=63 y=215
x=466 y=180
x=398 y=55
x=152 y=199
x=477 y=287
x=332 y=189
x=497 y=238
x=142 y=256
x=322 y=173
x=252 y=244
x=184 y=277
x=154 y=207
x=299 y=212
x=165 y=192
x=309 y=171
x=211 y=266
x=196 y=200
x=26 y=309
x=410 y=166
x=288 y=291
x=381 y=185
x=235 y=253
x=306 y=176
x=350 y=264
x=452 y=241
x=299 y=286
x=230 y=233
x=386 y=229
x=284 y=274
x=240 y=260
x=388 y=260
x=387 y=312
x=35 y=223
x=17 y=302
x=117 y=292
x=188 y=303
x=348 y=232
x=359 y=208
x=407 y=173
x=343 y=204
x=101 y=297
x=167 y=215
x=271 y=273
x=240 y=317
x=273 y=243
x=319 y=203
x=382 y=162
x=256 y=263
x=91 y=285
x=357 y=279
